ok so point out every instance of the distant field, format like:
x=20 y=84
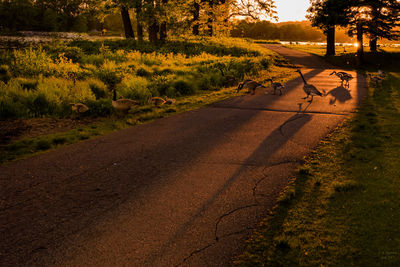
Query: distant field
x=387 y=57
x=321 y=49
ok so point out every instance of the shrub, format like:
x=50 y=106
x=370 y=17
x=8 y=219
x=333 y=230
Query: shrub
x=43 y=145
x=143 y=72
x=163 y=85
x=28 y=84
x=101 y=107
x=73 y=53
x=265 y=63
x=10 y=109
x=184 y=87
x=95 y=59
x=32 y=62
x=135 y=88
x=5 y=74
x=109 y=74
x=98 y=88
x=41 y=105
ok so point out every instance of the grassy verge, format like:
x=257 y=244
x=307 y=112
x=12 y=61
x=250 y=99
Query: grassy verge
x=386 y=58
x=143 y=114
x=38 y=82
x=342 y=208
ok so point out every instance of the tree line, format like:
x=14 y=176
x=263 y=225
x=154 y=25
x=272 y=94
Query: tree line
x=266 y=30
x=376 y=19
x=139 y=17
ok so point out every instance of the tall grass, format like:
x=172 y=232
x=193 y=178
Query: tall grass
x=43 y=81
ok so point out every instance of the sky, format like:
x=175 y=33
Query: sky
x=291 y=10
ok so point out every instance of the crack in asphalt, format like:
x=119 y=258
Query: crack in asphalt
x=245 y=230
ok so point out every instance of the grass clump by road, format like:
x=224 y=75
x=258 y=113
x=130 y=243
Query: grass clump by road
x=343 y=206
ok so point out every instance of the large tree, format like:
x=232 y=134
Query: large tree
x=384 y=17
x=220 y=13
x=327 y=14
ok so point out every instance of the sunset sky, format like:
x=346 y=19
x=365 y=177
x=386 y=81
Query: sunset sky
x=290 y=10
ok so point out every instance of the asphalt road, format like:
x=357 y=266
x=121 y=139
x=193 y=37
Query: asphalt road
x=181 y=191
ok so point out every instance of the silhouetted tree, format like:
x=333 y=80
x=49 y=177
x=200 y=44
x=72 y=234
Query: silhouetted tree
x=327 y=14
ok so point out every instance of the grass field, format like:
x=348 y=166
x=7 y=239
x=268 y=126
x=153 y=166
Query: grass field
x=386 y=58
x=37 y=82
x=343 y=206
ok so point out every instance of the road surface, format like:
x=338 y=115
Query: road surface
x=181 y=191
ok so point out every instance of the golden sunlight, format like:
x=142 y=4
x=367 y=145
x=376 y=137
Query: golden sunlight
x=289 y=10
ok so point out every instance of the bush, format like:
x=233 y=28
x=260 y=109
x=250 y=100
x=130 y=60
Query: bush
x=135 y=88
x=32 y=62
x=101 y=107
x=41 y=106
x=73 y=53
x=5 y=74
x=10 y=109
x=43 y=145
x=28 y=84
x=143 y=72
x=184 y=87
x=98 y=88
x=265 y=63
x=109 y=74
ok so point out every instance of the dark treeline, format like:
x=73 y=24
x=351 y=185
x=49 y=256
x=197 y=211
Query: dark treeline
x=285 y=31
x=48 y=15
x=296 y=31
x=136 y=18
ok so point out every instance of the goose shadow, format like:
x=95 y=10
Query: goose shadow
x=340 y=94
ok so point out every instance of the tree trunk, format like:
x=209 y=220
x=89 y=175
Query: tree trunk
x=127 y=22
x=139 y=26
x=163 y=26
x=210 y=27
x=360 y=48
x=163 y=31
x=210 y=19
x=196 y=16
x=139 y=31
x=330 y=41
x=373 y=44
x=153 y=31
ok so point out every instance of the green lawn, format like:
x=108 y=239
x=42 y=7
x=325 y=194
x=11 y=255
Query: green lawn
x=343 y=206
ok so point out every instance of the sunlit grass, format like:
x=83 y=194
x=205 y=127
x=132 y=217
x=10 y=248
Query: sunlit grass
x=342 y=208
x=386 y=58
x=86 y=72
x=142 y=114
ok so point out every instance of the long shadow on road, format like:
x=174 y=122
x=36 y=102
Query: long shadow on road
x=49 y=198
x=267 y=147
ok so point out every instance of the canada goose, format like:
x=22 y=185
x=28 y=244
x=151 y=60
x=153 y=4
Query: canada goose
x=79 y=107
x=169 y=101
x=309 y=89
x=376 y=79
x=343 y=76
x=276 y=86
x=250 y=85
x=122 y=104
x=382 y=74
x=158 y=101
x=228 y=78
